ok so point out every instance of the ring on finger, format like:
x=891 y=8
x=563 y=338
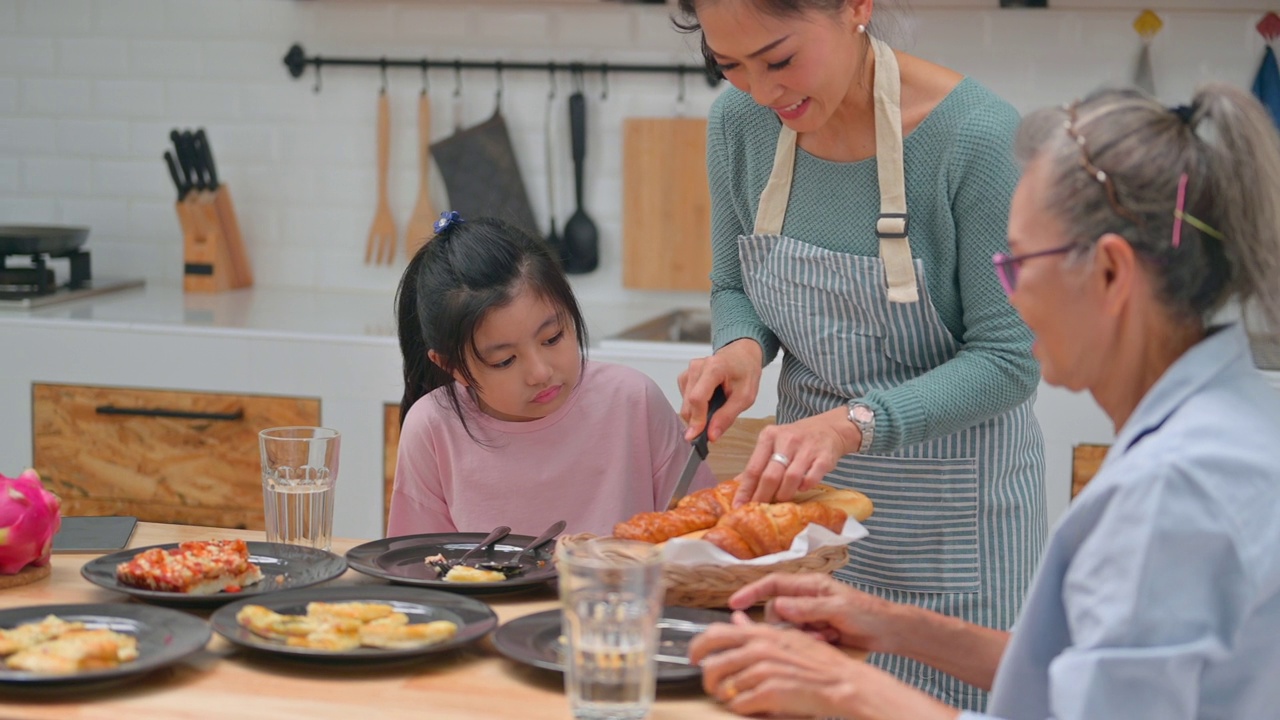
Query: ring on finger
x=729 y=689
x=781 y=459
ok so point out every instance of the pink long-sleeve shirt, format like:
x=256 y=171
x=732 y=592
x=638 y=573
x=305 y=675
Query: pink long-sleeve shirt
x=614 y=449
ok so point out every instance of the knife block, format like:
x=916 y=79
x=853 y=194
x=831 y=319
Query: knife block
x=213 y=254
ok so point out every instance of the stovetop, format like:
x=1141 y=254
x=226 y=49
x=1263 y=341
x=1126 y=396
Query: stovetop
x=88 y=288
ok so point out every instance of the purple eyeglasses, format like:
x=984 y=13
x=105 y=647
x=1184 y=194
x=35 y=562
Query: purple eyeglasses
x=1007 y=265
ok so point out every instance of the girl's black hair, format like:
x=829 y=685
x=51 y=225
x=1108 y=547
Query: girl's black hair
x=688 y=23
x=467 y=269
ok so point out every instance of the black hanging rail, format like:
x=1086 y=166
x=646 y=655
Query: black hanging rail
x=297 y=61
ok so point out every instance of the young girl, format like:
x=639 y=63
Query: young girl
x=504 y=421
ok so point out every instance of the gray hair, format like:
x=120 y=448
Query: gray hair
x=1227 y=145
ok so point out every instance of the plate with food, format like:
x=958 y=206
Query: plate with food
x=365 y=623
x=206 y=573
x=58 y=645
x=428 y=560
x=536 y=640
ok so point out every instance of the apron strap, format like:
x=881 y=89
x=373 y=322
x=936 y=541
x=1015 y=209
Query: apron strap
x=891 y=227
x=777 y=192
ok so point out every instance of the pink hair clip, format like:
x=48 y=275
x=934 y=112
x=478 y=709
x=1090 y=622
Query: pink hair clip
x=1177 y=213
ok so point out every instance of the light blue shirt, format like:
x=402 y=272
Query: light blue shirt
x=1159 y=594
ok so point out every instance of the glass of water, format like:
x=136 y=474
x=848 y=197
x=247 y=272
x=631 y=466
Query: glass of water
x=611 y=594
x=299 y=469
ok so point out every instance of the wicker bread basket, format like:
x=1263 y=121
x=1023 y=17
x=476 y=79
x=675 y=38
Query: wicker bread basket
x=709 y=586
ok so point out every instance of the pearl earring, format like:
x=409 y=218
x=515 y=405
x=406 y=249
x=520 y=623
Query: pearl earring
x=862 y=29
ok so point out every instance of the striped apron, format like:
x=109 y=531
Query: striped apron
x=959 y=521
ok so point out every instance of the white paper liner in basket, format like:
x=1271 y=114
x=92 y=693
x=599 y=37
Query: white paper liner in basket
x=682 y=551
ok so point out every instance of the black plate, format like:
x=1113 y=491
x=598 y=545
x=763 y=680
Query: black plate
x=164 y=637
x=473 y=618
x=535 y=640
x=284 y=567
x=401 y=560
x=34 y=239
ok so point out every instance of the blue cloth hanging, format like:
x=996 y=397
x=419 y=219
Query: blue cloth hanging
x=1266 y=86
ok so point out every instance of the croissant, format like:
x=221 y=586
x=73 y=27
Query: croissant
x=757 y=529
x=656 y=527
x=716 y=500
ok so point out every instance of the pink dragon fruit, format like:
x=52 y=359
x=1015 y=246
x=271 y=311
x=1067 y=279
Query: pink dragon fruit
x=29 y=517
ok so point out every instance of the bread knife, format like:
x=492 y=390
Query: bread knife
x=699 y=452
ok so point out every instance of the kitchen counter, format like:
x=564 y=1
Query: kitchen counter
x=472 y=682
x=281 y=313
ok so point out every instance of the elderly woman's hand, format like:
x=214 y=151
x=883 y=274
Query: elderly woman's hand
x=736 y=367
x=759 y=669
x=796 y=456
x=824 y=607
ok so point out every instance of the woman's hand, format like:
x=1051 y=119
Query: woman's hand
x=822 y=606
x=737 y=367
x=810 y=447
x=758 y=669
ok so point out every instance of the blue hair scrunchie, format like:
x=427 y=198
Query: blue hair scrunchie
x=448 y=219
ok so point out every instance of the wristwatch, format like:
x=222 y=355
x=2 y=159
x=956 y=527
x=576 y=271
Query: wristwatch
x=861 y=415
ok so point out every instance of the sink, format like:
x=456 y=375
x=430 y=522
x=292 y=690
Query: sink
x=688 y=325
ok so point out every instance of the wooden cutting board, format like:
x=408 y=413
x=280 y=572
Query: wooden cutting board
x=666 y=206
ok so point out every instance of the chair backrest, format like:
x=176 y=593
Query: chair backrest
x=728 y=456
x=1085 y=461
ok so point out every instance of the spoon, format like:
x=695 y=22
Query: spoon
x=514 y=565
x=498 y=533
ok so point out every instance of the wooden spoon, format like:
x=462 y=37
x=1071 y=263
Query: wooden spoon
x=420 y=227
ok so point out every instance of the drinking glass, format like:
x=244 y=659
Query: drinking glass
x=611 y=594
x=299 y=469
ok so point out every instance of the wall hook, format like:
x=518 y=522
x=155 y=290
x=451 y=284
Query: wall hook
x=551 y=81
x=497 y=100
x=1148 y=25
x=604 y=81
x=457 y=78
x=384 y=75
x=316 y=88
x=680 y=95
x=426 y=83
x=1269 y=27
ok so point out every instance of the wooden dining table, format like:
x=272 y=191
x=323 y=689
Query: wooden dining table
x=221 y=681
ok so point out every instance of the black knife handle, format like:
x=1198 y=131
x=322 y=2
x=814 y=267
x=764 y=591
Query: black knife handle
x=173 y=173
x=717 y=401
x=206 y=159
x=187 y=159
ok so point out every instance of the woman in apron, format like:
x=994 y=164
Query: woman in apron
x=865 y=257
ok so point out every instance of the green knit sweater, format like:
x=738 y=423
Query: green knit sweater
x=960 y=174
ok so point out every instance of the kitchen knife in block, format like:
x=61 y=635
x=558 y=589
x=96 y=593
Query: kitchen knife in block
x=242 y=271
x=181 y=207
x=207 y=265
x=666 y=207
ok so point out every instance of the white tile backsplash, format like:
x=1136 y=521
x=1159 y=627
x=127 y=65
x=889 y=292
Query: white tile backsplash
x=89 y=90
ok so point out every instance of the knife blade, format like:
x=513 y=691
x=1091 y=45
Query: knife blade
x=699 y=451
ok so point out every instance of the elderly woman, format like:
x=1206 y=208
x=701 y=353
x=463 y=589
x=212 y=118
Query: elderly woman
x=1159 y=594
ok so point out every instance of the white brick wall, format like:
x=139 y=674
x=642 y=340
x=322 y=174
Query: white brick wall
x=89 y=90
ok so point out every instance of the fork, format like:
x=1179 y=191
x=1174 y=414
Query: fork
x=382 y=234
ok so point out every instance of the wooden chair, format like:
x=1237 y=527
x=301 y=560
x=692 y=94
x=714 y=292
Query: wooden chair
x=728 y=456
x=1085 y=461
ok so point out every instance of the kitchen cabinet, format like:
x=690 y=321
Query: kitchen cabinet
x=162 y=456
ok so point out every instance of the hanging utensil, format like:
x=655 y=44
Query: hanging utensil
x=420 y=230
x=580 y=235
x=554 y=241
x=381 y=245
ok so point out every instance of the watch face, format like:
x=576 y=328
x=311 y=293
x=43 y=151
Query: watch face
x=863 y=414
